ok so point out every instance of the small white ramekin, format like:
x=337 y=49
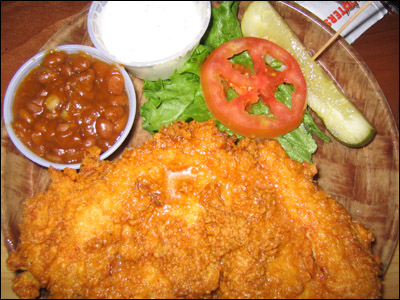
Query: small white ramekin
x=155 y=69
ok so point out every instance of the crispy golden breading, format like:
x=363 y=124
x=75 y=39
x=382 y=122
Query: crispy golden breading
x=192 y=214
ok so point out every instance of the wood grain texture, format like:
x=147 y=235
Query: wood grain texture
x=364 y=180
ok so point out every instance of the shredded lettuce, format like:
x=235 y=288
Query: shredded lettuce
x=181 y=98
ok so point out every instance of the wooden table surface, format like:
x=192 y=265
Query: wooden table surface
x=27 y=25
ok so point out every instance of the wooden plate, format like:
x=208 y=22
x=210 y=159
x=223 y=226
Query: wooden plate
x=365 y=181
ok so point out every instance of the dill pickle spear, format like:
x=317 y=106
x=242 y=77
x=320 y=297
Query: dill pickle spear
x=343 y=120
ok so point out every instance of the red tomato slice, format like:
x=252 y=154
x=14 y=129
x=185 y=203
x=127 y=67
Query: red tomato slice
x=218 y=73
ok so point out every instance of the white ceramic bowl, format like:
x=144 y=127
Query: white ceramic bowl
x=153 y=69
x=35 y=61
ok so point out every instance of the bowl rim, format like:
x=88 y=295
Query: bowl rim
x=161 y=61
x=36 y=60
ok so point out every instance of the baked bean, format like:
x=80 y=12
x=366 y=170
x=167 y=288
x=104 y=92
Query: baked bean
x=116 y=83
x=46 y=75
x=88 y=77
x=121 y=123
x=101 y=69
x=37 y=138
x=104 y=127
x=25 y=115
x=79 y=63
x=113 y=113
x=85 y=82
x=33 y=107
x=67 y=126
x=63 y=127
x=66 y=70
x=69 y=103
x=54 y=58
x=118 y=99
x=40 y=125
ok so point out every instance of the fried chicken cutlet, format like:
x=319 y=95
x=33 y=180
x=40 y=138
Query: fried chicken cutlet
x=192 y=214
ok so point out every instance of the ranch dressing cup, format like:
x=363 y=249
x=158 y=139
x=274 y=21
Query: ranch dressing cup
x=151 y=39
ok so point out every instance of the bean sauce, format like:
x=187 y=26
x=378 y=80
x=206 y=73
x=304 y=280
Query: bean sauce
x=69 y=103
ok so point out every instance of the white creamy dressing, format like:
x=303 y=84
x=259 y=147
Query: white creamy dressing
x=140 y=31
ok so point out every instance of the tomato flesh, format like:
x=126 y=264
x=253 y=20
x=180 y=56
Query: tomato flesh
x=218 y=72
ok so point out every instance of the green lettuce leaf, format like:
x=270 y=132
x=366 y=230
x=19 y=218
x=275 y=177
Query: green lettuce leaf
x=298 y=143
x=193 y=64
x=225 y=25
x=169 y=100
